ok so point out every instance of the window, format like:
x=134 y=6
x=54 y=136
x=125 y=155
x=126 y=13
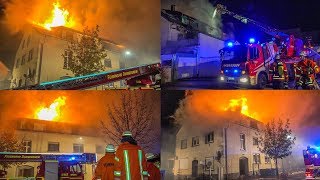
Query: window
x=254 y=124
x=17 y=63
x=184 y=144
x=20 y=83
x=255 y=141
x=78 y=148
x=30 y=55
x=195 y=141
x=27 y=146
x=242 y=142
x=267 y=159
x=99 y=149
x=210 y=138
x=107 y=63
x=53 y=147
x=254 y=53
x=23 y=59
x=265 y=52
x=256 y=158
x=67 y=58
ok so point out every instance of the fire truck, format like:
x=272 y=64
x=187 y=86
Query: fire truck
x=312 y=163
x=248 y=64
x=143 y=75
x=62 y=166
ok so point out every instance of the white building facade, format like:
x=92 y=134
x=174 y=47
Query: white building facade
x=40 y=56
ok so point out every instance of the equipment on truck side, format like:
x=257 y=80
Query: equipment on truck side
x=312 y=162
x=54 y=165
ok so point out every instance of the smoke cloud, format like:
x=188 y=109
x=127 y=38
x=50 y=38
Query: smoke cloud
x=202 y=10
x=132 y=23
x=206 y=108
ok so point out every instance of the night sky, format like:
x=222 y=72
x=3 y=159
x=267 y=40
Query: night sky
x=169 y=104
x=281 y=14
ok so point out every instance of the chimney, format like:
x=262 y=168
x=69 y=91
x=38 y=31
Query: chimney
x=173 y=7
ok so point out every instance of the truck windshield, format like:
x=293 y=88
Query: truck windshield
x=237 y=53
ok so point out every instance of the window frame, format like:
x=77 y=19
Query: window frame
x=56 y=143
x=186 y=144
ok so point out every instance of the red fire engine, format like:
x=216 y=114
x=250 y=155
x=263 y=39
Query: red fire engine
x=53 y=165
x=312 y=162
x=249 y=64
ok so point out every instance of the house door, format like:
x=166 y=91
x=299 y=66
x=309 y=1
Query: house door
x=243 y=166
x=195 y=168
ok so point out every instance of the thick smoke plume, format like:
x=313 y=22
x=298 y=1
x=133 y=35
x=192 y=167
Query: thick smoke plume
x=202 y=10
x=206 y=108
x=132 y=23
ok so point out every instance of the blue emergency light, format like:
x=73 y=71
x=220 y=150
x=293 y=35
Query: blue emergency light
x=252 y=40
x=236 y=71
x=230 y=44
x=227 y=70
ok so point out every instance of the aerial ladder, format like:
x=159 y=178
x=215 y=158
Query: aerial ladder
x=52 y=165
x=142 y=74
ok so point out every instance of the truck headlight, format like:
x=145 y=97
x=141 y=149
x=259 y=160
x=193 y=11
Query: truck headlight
x=244 y=80
x=222 y=78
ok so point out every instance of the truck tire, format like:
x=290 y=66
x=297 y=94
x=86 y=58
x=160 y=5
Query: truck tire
x=262 y=81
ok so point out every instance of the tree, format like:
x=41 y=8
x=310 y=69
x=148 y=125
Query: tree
x=84 y=56
x=276 y=140
x=135 y=112
x=9 y=143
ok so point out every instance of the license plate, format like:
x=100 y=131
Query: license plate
x=230 y=78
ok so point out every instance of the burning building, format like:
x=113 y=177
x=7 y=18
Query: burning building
x=4 y=76
x=229 y=149
x=189 y=47
x=43 y=136
x=41 y=56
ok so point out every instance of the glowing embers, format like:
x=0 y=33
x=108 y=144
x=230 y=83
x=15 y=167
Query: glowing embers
x=53 y=112
x=59 y=17
x=240 y=105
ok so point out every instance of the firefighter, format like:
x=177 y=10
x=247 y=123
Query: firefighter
x=279 y=74
x=306 y=71
x=153 y=170
x=106 y=165
x=130 y=159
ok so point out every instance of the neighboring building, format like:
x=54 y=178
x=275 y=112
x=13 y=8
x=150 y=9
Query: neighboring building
x=188 y=55
x=41 y=56
x=228 y=149
x=4 y=76
x=41 y=136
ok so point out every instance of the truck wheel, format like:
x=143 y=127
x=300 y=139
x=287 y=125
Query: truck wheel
x=262 y=81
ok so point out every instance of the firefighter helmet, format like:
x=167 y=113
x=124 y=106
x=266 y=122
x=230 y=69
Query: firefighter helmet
x=149 y=156
x=127 y=134
x=110 y=148
x=304 y=53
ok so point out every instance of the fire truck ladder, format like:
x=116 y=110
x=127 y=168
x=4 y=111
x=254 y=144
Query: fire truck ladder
x=267 y=29
x=93 y=80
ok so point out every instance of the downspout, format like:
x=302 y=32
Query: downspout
x=226 y=151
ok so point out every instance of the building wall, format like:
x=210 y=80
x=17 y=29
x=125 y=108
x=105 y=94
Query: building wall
x=40 y=142
x=47 y=53
x=234 y=153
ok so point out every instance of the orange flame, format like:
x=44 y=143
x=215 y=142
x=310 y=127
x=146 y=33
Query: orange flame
x=240 y=105
x=53 y=112
x=59 y=17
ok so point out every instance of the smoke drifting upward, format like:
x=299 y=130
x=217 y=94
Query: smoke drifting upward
x=301 y=107
x=202 y=10
x=132 y=23
x=81 y=107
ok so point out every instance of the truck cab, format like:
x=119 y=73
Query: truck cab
x=247 y=65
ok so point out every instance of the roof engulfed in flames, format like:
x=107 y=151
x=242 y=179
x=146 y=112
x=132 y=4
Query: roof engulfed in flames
x=51 y=113
x=240 y=105
x=59 y=17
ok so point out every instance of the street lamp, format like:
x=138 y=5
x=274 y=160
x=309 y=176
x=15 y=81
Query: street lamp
x=128 y=53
